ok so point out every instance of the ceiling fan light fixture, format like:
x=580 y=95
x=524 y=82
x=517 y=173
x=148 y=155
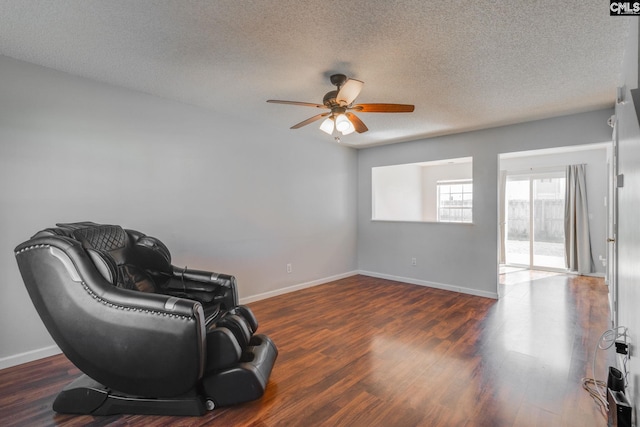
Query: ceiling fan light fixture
x=342 y=123
x=327 y=125
x=339 y=107
x=349 y=129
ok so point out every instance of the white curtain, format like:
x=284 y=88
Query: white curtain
x=576 y=222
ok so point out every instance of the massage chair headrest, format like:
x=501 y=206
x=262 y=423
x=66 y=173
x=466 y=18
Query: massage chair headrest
x=125 y=258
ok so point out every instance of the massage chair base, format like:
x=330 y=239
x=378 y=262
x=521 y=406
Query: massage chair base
x=241 y=383
x=87 y=397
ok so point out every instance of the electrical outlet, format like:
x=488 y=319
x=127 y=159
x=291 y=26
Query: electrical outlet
x=289 y=268
x=413 y=262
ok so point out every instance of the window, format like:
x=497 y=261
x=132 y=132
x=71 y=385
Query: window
x=455 y=200
x=434 y=191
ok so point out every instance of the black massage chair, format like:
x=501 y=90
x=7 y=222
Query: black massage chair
x=149 y=337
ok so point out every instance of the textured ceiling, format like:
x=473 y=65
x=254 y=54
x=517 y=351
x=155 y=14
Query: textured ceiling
x=465 y=65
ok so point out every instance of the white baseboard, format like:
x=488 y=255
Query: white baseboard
x=293 y=288
x=599 y=275
x=29 y=356
x=443 y=286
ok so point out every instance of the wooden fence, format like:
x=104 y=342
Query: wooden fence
x=548 y=220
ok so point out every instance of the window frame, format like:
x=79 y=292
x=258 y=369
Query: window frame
x=462 y=207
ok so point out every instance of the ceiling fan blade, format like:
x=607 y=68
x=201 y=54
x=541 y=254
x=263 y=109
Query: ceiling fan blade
x=349 y=91
x=357 y=123
x=304 y=104
x=310 y=120
x=383 y=108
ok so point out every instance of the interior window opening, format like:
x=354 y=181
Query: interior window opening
x=434 y=191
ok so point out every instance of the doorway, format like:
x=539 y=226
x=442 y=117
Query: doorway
x=531 y=230
x=534 y=220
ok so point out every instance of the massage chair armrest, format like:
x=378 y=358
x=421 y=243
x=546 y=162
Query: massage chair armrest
x=205 y=285
x=204 y=277
x=166 y=305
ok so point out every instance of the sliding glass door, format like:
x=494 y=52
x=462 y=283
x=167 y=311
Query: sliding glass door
x=518 y=221
x=534 y=220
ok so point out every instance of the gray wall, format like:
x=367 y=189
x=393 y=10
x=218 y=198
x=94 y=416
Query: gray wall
x=459 y=257
x=628 y=237
x=222 y=195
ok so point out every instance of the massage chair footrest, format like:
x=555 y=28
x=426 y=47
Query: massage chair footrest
x=247 y=380
x=88 y=397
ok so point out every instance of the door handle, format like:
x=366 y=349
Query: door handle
x=610 y=240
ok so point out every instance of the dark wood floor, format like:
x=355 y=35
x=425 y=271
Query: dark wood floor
x=370 y=352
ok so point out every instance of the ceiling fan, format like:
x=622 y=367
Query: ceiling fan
x=340 y=105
